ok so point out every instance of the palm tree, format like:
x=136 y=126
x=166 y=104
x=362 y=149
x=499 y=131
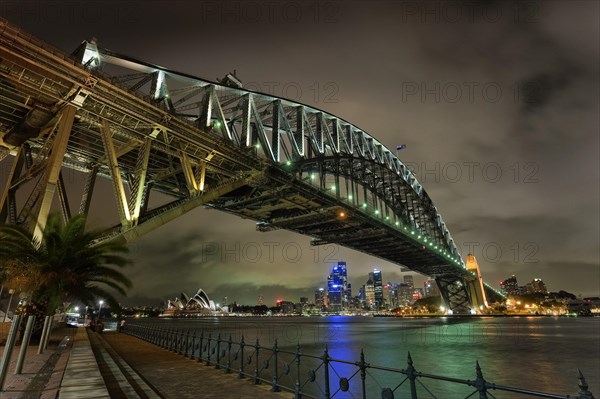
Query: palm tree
x=66 y=264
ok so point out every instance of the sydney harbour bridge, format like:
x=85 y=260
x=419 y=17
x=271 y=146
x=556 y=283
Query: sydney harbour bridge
x=152 y=130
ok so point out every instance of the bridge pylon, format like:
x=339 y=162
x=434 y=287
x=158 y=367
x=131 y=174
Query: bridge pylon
x=475 y=284
x=455 y=293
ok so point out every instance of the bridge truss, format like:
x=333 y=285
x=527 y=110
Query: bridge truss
x=150 y=129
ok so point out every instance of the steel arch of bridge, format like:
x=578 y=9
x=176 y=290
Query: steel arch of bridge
x=280 y=130
x=148 y=129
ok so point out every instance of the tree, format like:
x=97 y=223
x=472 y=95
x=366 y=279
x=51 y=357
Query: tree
x=432 y=303
x=66 y=264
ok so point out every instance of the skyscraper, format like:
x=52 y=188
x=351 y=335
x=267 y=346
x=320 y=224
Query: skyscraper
x=370 y=294
x=510 y=286
x=430 y=288
x=337 y=288
x=320 y=299
x=375 y=276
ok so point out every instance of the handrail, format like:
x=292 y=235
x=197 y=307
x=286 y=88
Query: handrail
x=254 y=361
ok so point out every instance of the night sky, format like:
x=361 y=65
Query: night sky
x=498 y=105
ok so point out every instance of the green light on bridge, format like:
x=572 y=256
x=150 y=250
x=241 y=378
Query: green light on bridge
x=288 y=163
x=350 y=196
x=364 y=205
x=377 y=211
x=312 y=177
x=217 y=124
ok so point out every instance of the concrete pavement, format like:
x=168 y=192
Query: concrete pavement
x=86 y=364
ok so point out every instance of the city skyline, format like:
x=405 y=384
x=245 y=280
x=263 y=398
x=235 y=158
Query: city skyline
x=490 y=164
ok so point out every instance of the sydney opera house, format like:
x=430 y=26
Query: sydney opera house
x=184 y=306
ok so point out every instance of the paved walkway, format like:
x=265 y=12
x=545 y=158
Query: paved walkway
x=113 y=365
x=82 y=378
x=174 y=376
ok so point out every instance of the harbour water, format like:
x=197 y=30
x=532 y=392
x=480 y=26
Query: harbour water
x=536 y=353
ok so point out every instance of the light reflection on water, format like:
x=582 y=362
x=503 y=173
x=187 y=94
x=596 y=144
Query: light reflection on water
x=534 y=353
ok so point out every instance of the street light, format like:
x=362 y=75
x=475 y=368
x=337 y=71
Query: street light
x=11 y=292
x=100 y=308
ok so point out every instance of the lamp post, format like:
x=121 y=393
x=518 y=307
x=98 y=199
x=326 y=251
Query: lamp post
x=100 y=308
x=11 y=292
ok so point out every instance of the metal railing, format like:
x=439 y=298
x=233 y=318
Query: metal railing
x=311 y=376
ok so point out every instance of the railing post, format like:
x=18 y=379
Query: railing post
x=189 y=353
x=583 y=388
x=228 y=369
x=208 y=351
x=275 y=386
x=297 y=391
x=218 y=365
x=411 y=374
x=256 y=348
x=201 y=347
x=178 y=339
x=363 y=373
x=193 y=351
x=181 y=343
x=241 y=373
x=326 y=370
x=480 y=382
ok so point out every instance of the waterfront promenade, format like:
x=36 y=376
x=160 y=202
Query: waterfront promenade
x=113 y=365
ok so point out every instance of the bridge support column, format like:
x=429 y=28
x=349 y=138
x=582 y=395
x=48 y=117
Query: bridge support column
x=139 y=180
x=49 y=181
x=456 y=294
x=115 y=174
x=7 y=199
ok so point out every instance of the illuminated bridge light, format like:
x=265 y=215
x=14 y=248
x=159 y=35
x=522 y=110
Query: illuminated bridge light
x=288 y=163
x=217 y=124
x=377 y=211
x=257 y=145
x=387 y=218
x=312 y=177
x=397 y=223
x=350 y=196
x=419 y=237
x=364 y=205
